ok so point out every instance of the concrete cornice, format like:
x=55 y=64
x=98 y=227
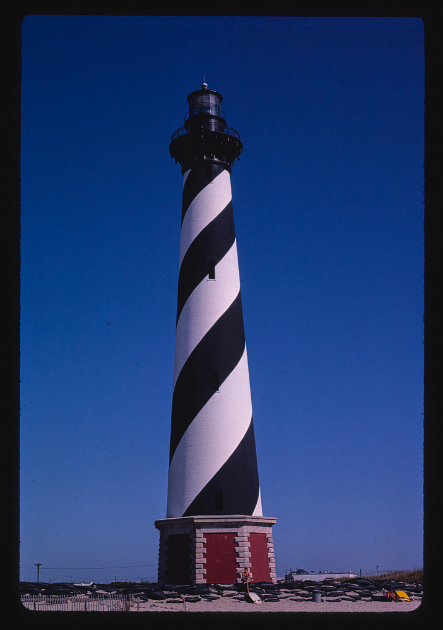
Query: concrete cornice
x=225 y=519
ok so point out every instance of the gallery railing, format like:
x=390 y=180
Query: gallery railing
x=230 y=131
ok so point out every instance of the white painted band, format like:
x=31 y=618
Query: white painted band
x=185 y=177
x=258 y=508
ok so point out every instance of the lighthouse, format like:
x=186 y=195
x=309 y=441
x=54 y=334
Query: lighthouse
x=214 y=526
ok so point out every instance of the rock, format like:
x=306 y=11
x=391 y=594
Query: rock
x=199 y=589
x=353 y=594
x=154 y=594
x=182 y=588
x=256 y=589
x=347 y=598
x=210 y=598
x=364 y=582
x=30 y=590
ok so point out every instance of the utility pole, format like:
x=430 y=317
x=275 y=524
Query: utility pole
x=38 y=565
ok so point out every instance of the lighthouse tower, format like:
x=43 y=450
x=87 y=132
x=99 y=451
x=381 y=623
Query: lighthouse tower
x=214 y=527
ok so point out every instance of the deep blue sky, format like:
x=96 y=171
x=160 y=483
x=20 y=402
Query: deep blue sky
x=328 y=204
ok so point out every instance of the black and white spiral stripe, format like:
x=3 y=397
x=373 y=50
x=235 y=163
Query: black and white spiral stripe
x=212 y=436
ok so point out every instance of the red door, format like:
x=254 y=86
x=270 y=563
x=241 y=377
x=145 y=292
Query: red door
x=259 y=558
x=220 y=559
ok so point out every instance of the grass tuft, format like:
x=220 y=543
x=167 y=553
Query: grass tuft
x=405 y=575
x=414 y=576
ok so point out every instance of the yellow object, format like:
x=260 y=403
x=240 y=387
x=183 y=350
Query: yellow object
x=402 y=595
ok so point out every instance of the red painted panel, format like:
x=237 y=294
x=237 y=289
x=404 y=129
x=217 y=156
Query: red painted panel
x=220 y=558
x=178 y=564
x=259 y=558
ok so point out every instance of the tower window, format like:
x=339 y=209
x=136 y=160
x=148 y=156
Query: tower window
x=219 y=501
x=211 y=269
x=215 y=381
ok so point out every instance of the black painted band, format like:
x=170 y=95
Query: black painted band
x=214 y=242
x=198 y=178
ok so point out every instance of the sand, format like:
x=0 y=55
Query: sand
x=227 y=604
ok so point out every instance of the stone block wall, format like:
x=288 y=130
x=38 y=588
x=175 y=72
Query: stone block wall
x=203 y=548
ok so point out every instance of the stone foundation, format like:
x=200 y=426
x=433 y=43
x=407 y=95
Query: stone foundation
x=215 y=549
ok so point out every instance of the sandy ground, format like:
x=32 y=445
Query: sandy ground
x=226 y=604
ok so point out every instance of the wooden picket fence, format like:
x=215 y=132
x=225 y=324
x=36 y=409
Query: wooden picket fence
x=80 y=602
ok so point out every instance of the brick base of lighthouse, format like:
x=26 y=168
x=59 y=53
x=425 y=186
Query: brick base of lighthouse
x=215 y=549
